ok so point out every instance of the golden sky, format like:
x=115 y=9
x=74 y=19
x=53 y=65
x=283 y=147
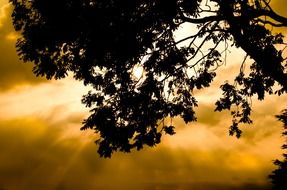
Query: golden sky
x=42 y=147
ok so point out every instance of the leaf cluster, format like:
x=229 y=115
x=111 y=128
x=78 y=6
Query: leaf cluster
x=279 y=175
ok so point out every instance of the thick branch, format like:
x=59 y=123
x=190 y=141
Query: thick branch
x=265 y=58
x=270 y=23
x=201 y=20
x=270 y=13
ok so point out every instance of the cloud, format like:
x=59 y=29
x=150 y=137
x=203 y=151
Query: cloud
x=13 y=72
x=40 y=154
x=3 y=2
x=33 y=153
x=54 y=100
x=48 y=151
x=43 y=148
x=43 y=153
x=279 y=6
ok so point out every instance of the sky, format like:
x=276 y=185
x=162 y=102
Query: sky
x=42 y=146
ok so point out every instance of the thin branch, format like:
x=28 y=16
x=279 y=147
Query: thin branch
x=210 y=51
x=203 y=42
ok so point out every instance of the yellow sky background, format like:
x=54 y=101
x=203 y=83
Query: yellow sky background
x=42 y=147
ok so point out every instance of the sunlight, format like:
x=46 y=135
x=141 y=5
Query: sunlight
x=12 y=36
x=2 y=13
x=138 y=72
x=48 y=99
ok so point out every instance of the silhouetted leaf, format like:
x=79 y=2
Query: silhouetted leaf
x=169 y=130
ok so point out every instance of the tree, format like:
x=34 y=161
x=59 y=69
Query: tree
x=101 y=42
x=279 y=175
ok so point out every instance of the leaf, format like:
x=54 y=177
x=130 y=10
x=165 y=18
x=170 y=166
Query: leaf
x=169 y=130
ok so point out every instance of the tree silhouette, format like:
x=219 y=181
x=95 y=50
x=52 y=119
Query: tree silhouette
x=101 y=42
x=279 y=175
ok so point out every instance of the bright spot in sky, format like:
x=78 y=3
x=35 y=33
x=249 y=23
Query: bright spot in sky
x=138 y=71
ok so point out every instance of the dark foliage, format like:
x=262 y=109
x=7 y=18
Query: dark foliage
x=101 y=42
x=279 y=176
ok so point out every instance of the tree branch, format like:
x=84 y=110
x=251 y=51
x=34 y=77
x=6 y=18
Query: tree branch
x=201 y=20
x=270 y=13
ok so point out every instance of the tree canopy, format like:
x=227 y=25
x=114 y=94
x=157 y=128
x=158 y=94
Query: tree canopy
x=279 y=176
x=102 y=42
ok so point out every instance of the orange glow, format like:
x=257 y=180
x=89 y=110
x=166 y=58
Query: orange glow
x=42 y=146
